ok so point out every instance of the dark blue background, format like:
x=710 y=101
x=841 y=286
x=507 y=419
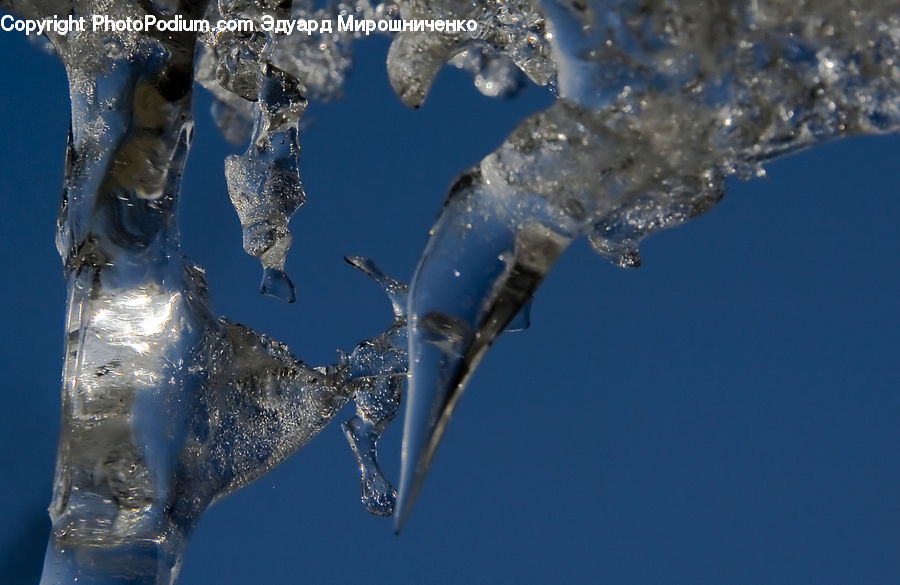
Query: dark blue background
x=727 y=414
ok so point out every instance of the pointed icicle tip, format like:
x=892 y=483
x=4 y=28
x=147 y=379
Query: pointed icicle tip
x=468 y=287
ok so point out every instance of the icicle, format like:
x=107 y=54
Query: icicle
x=264 y=183
x=487 y=255
x=378 y=367
x=656 y=108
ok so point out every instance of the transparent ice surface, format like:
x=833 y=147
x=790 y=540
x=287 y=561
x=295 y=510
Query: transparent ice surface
x=167 y=407
x=658 y=103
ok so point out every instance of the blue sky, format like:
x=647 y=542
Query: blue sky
x=726 y=414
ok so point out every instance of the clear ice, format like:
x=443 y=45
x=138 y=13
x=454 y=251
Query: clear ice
x=168 y=407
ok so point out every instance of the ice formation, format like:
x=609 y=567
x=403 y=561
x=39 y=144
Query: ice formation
x=167 y=407
x=659 y=102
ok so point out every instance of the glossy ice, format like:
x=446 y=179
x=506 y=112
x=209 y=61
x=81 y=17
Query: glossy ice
x=167 y=406
x=658 y=103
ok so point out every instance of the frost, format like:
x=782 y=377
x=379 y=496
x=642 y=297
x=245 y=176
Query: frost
x=168 y=407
